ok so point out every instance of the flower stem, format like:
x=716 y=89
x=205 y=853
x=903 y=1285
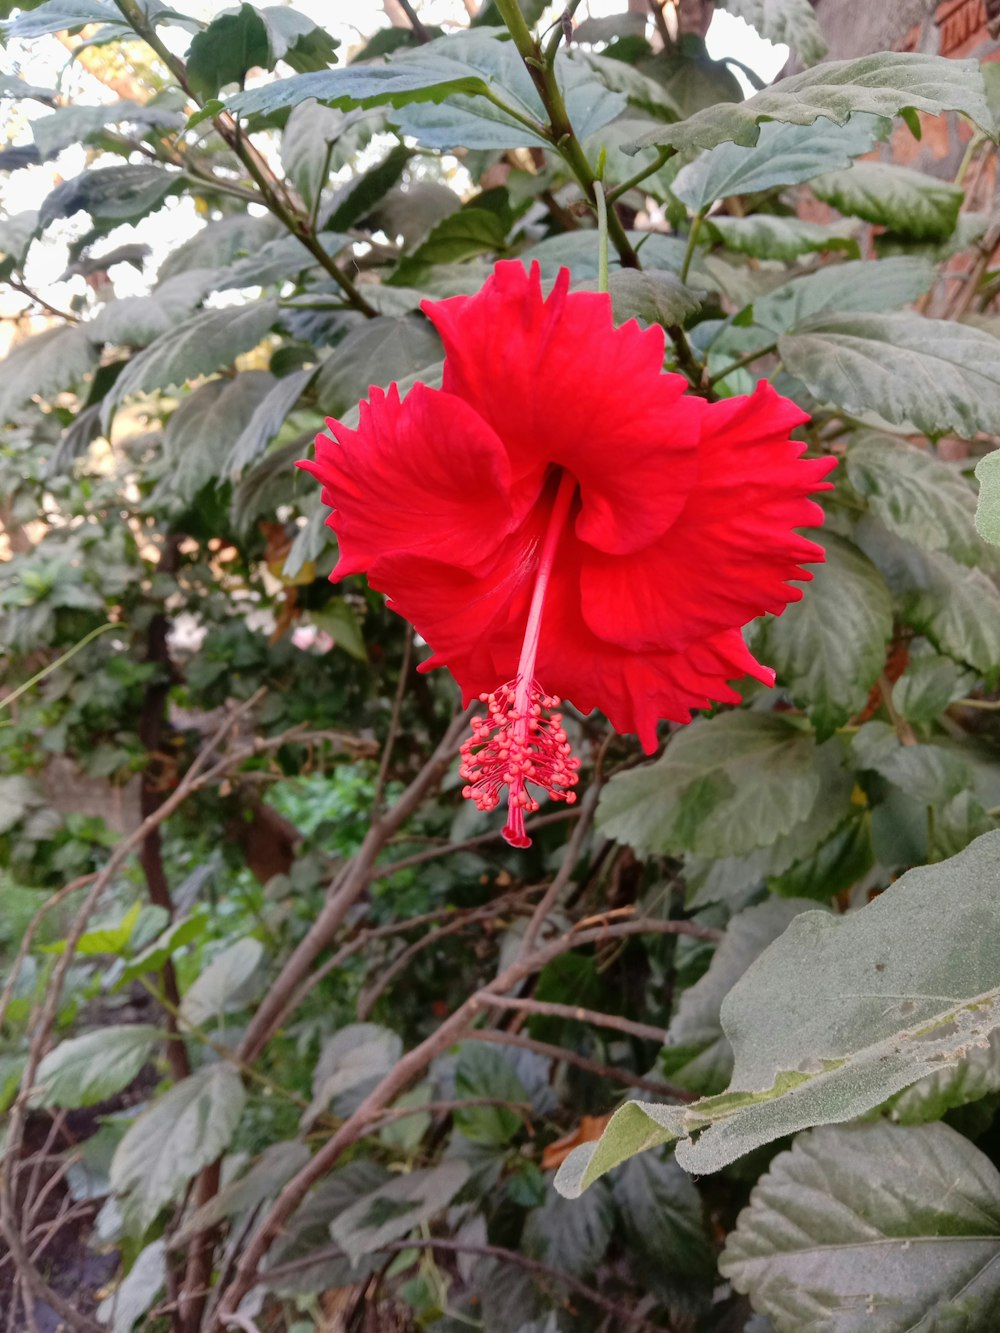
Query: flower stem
x=602 y=238
x=743 y=361
x=696 y=222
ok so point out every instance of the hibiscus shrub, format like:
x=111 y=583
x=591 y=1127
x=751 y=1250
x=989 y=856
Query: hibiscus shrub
x=633 y=398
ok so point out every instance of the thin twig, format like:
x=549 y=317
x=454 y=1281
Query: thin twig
x=573 y=849
x=393 y=732
x=501 y=1037
x=549 y=1009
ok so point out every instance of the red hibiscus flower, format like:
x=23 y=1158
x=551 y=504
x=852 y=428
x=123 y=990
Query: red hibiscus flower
x=563 y=511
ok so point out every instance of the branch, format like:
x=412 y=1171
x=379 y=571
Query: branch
x=562 y=1054
x=628 y=1317
x=549 y=1009
x=403 y=1073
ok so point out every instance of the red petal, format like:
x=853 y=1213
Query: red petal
x=560 y=384
x=424 y=476
x=729 y=556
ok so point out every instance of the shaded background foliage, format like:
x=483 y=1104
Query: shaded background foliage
x=290 y=1039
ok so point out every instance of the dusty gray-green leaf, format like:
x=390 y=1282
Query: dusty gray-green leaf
x=397 y=1208
x=910 y=998
x=793 y=22
x=223 y=983
x=571 y=1236
x=45 y=364
x=184 y=1130
x=267 y=419
x=137 y=1291
x=934 y=373
x=857 y=285
x=829 y=648
x=88 y=1069
x=197 y=436
x=350 y=1064
x=767 y=237
x=911 y=204
x=956 y=607
x=875 y=1226
x=379 y=351
x=654 y=297
x=272 y=1170
x=988 y=504
x=782 y=155
x=697 y=1053
x=220 y=242
x=930 y=774
x=111 y=194
x=664 y=1219
x=203 y=343
x=882 y=85
x=724 y=786
x=928 y=685
x=917 y=496
x=306 y=146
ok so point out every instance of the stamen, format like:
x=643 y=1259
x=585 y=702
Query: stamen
x=516 y=743
x=513 y=745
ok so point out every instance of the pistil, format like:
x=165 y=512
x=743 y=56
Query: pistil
x=521 y=740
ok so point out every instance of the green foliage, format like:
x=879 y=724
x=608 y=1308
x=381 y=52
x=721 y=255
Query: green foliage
x=276 y=1022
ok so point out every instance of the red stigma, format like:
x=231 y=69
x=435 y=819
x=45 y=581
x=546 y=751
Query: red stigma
x=519 y=741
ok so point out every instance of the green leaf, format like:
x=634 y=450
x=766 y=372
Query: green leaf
x=664 y=1221
x=219 y=243
x=60 y=15
x=46 y=364
x=857 y=285
x=829 y=648
x=928 y=773
x=184 y=1130
x=111 y=194
x=379 y=351
x=396 y=1209
x=790 y=21
x=568 y=1235
x=89 y=1069
x=913 y=205
x=634 y=1128
x=137 y=1291
x=18 y=796
x=177 y=936
x=724 y=786
x=783 y=155
x=875 y=1226
x=483 y=1071
x=350 y=1064
x=224 y=983
x=915 y=495
x=235 y=43
x=910 y=999
x=266 y=419
x=931 y=374
x=306 y=146
x=697 y=1054
x=766 y=237
x=205 y=342
x=465 y=234
x=956 y=607
x=881 y=85
x=269 y=1173
x=988 y=503
x=654 y=297
x=928 y=685
x=196 y=438
x=339 y=619
x=112 y=939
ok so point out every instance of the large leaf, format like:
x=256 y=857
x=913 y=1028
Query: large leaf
x=482 y=1071
x=956 y=607
x=223 y=984
x=380 y=351
x=697 y=1053
x=46 y=364
x=829 y=648
x=235 y=43
x=207 y=341
x=988 y=504
x=783 y=155
x=723 y=787
x=857 y=285
x=916 y=495
x=58 y=15
x=110 y=194
x=137 y=1291
x=933 y=374
x=397 y=1208
x=306 y=146
x=570 y=1236
x=909 y=999
x=84 y=1070
x=882 y=85
x=197 y=438
x=790 y=21
x=664 y=1220
x=267 y=419
x=188 y=1127
x=766 y=237
x=910 y=203
x=875 y=1226
x=655 y=298
x=350 y=1064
